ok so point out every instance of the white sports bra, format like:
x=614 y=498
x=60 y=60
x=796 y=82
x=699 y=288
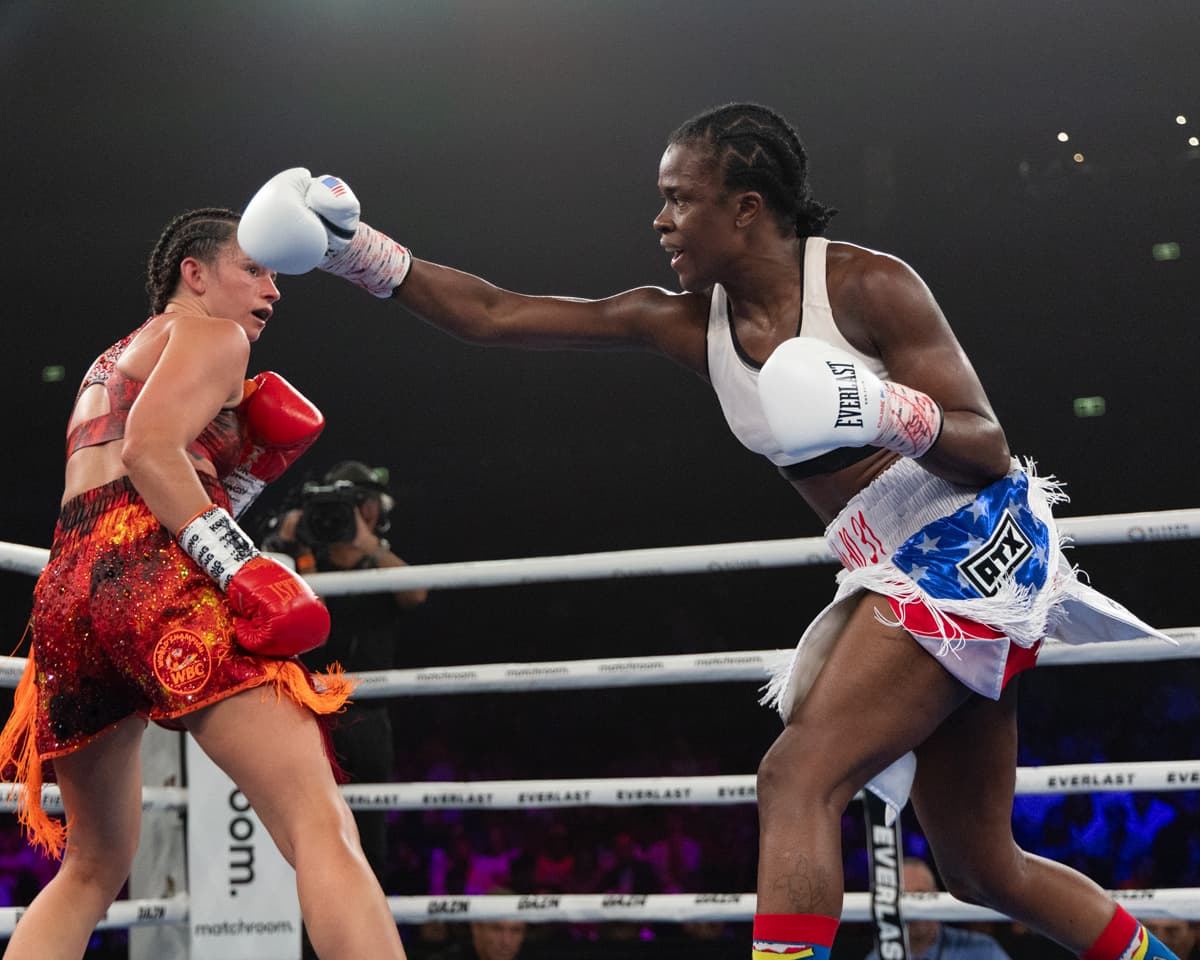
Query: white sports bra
x=734 y=375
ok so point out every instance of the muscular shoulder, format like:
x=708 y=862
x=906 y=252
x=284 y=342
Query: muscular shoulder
x=866 y=280
x=875 y=295
x=672 y=323
x=685 y=307
x=212 y=333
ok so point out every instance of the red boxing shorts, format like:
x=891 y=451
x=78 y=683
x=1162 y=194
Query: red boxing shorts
x=124 y=623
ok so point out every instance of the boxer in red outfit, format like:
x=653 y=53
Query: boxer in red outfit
x=155 y=605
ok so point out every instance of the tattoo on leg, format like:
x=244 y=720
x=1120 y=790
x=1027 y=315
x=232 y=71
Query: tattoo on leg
x=806 y=887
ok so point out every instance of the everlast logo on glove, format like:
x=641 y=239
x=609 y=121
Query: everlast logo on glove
x=849 y=402
x=1003 y=552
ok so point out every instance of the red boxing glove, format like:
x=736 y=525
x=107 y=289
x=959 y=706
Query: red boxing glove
x=275 y=612
x=280 y=425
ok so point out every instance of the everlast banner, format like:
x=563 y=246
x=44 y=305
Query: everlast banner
x=243 y=893
x=886 y=854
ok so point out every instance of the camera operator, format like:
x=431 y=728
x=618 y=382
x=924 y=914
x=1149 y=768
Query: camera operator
x=339 y=524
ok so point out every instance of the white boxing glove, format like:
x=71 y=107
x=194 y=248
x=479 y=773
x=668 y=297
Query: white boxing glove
x=280 y=229
x=297 y=221
x=817 y=397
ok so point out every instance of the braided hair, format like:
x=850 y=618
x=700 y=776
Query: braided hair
x=754 y=148
x=197 y=233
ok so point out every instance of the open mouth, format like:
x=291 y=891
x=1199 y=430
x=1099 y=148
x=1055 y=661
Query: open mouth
x=264 y=314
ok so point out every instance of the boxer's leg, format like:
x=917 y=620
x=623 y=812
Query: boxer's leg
x=273 y=749
x=963 y=796
x=877 y=697
x=101 y=786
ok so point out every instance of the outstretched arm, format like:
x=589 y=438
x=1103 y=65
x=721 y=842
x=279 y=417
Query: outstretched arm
x=297 y=221
x=473 y=309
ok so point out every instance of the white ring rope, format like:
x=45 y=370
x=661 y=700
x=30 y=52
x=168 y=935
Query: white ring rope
x=153 y=798
x=167 y=911
x=1160 y=775
x=732 y=665
x=659 y=561
x=1180 y=903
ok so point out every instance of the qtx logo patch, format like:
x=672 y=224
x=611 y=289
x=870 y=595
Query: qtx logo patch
x=1004 y=551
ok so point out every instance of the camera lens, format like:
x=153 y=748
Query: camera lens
x=328 y=514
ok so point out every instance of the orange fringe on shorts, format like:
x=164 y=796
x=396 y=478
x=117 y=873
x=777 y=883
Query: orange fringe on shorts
x=22 y=766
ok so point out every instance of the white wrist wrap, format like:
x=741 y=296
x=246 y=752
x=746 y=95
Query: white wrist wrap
x=218 y=545
x=243 y=489
x=912 y=421
x=373 y=260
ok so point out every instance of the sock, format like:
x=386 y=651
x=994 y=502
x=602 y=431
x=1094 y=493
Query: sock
x=1126 y=939
x=793 y=936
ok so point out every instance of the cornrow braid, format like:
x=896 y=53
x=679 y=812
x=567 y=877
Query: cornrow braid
x=754 y=148
x=197 y=233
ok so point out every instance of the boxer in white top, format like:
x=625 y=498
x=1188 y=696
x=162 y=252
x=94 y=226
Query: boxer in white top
x=836 y=363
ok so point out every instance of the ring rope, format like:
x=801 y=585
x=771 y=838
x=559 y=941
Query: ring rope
x=732 y=665
x=1180 y=903
x=160 y=912
x=153 y=798
x=710 y=558
x=1159 y=775
x=657 y=561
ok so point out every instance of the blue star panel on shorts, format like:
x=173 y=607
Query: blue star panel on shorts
x=973 y=552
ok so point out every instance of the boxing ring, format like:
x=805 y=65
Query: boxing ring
x=729 y=667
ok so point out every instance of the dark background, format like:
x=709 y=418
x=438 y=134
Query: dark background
x=520 y=140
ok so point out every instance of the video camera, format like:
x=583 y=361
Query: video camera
x=328 y=512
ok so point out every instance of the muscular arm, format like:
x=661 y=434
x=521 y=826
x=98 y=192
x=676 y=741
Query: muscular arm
x=201 y=369
x=470 y=308
x=890 y=307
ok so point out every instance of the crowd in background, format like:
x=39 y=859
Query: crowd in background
x=1085 y=714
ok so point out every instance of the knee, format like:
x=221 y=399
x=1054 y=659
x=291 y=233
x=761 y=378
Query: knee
x=963 y=884
x=328 y=833
x=792 y=775
x=982 y=880
x=103 y=873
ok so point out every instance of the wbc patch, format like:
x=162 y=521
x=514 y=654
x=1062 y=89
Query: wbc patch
x=182 y=662
x=971 y=554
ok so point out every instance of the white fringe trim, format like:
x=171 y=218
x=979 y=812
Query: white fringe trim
x=1022 y=614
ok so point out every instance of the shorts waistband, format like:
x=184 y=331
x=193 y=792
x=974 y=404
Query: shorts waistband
x=87 y=506
x=92 y=503
x=889 y=510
